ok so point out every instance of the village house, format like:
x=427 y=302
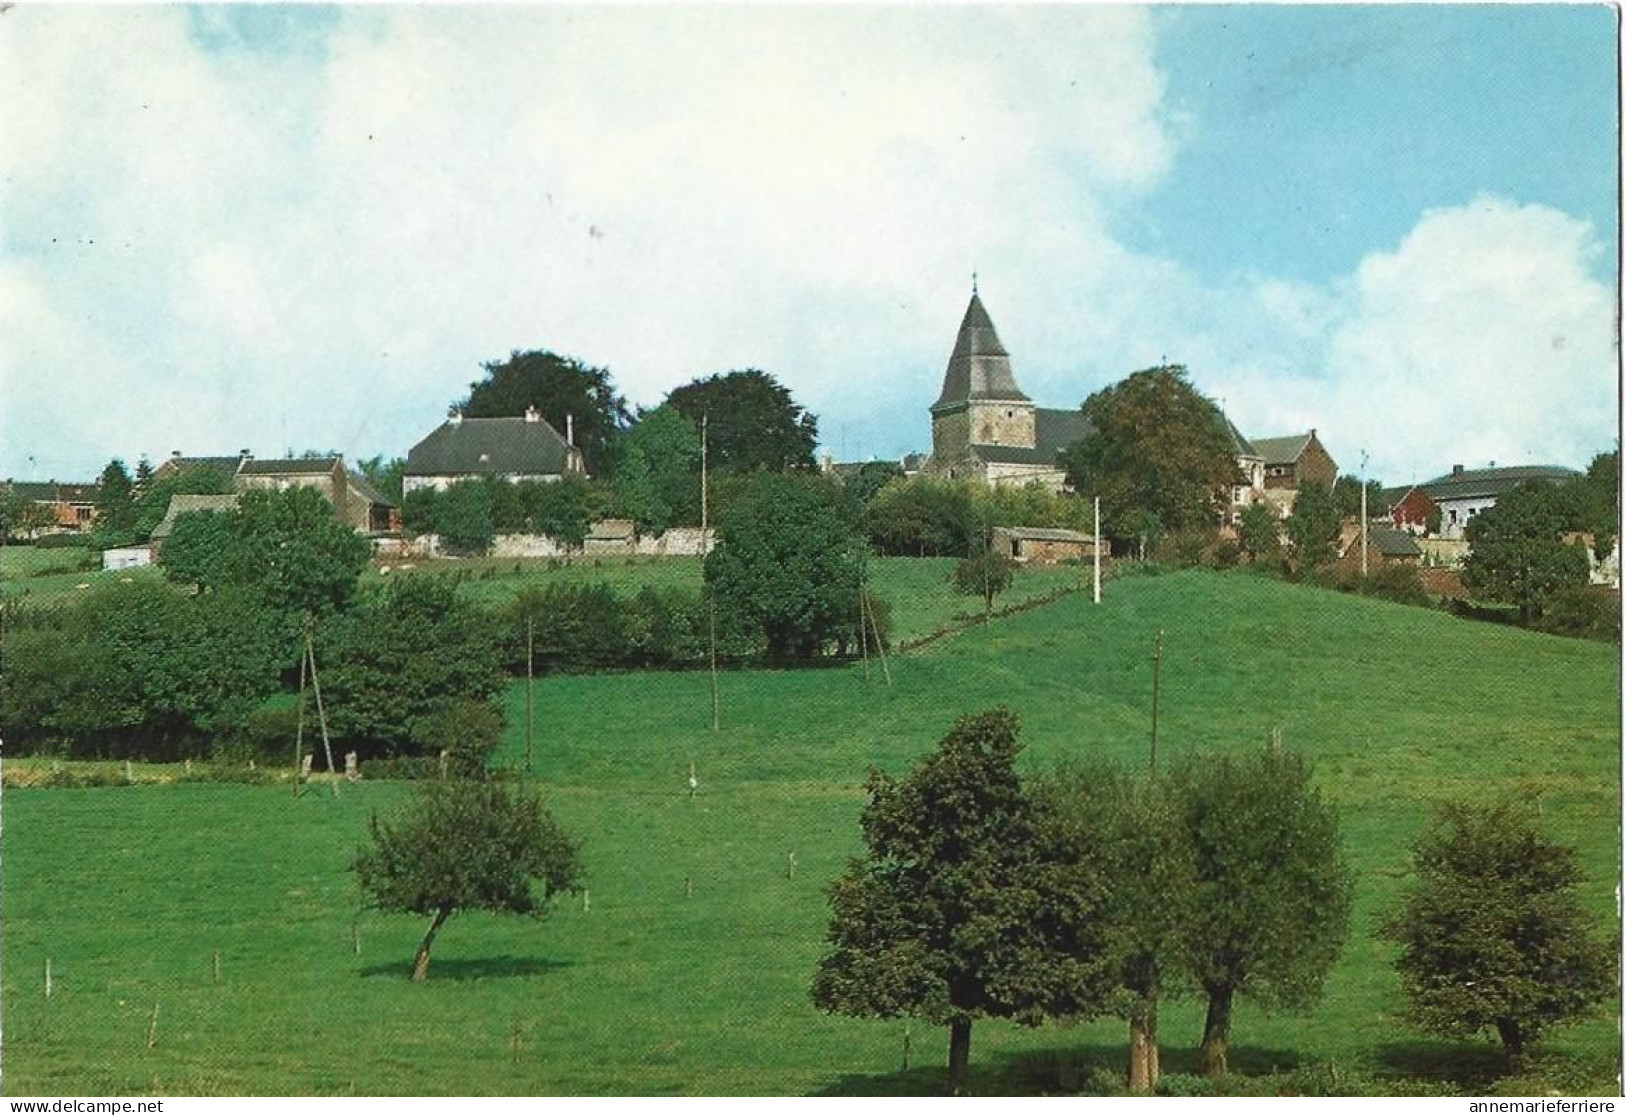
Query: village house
x=72 y=507
x=1387 y=546
x=1463 y=493
x=1294 y=460
x=225 y=467
x=512 y=449
x=354 y=500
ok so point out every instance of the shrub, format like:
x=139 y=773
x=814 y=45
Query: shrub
x=1399 y=582
x=1225 y=555
x=1582 y=613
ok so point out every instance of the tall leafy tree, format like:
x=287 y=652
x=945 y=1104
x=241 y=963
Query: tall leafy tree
x=923 y=516
x=1518 y=554
x=786 y=566
x=1314 y=525
x=1268 y=908
x=463 y=517
x=1259 y=532
x=1346 y=495
x=560 y=388
x=198 y=549
x=1493 y=936
x=115 y=505
x=985 y=573
x=467 y=845
x=291 y=550
x=942 y=918
x=1159 y=447
x=657 y=478
x=1113 y=842
x=752 y=421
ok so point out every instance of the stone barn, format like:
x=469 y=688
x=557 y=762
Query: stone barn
x=1043 y=545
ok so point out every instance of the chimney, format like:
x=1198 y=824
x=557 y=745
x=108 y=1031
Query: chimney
x=1455 y=470
x=454 y=416
x=175 y=453
x=244 y=454
x=569 y=429
x=532 y=415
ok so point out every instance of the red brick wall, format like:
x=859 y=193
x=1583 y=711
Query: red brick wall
x=1413 y=510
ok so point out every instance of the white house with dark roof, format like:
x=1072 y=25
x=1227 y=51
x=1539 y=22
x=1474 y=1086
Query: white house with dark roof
x=513 y=449
x=1463 y=493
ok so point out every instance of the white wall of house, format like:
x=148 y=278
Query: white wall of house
x=126 y=557
x=1455 y=514
x=441 y=483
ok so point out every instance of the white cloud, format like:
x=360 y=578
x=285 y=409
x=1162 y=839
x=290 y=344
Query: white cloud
x=316 y=245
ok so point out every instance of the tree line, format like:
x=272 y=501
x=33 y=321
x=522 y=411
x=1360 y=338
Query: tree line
x=1092 y=891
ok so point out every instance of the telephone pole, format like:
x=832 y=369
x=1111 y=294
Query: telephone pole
x=705 y=547
x=1097 y=549
x=1364 y=528
x=1156 y=694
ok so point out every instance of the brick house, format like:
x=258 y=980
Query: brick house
x=354 y=500
x=72 y=506
x=513 y=449
x=1289 y=462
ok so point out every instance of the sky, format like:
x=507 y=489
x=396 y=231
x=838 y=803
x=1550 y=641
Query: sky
x=289 y=228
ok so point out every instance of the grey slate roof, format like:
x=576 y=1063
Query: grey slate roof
x=1281 y=450
x=1044 y=534
x=360 y=486
x=180 y=505
x=226 y=465
x=490 y=446
x=1476 y=482
x=291 y=466
x=1390 y=543
x=980 y=366
x=1239 y=444
x=49 y=491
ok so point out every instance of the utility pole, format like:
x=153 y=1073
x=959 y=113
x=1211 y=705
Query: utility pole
x=705 y=527
x=1156 y=693
x=1097 y=549
x=530 y=686
x=1364 y=541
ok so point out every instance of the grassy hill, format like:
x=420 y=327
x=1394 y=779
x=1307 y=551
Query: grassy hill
x=130 y=891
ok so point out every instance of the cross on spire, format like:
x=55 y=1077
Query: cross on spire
x=973 y=282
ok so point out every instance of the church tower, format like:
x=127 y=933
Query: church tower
x=980 y=403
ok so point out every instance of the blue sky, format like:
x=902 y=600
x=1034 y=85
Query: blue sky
x=280 y=228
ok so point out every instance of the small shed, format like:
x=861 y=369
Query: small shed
x=1042 y=545
x=126 y=557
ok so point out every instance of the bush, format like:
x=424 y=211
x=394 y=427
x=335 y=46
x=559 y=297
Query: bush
x=63 y=541
x=1183 y=1085
x=467 y=732
x=1183 y=549
x=1399 y=582
x=1582 y=613
x=267 y=735
x=1225 y=555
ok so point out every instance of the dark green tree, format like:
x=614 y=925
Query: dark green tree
x=786 y=566
x=467 y=845
x=198 y=549
x=870 y=477
x=1268 y=908
x=115 y=506
x=657 y=479
x=986 y=573
x=1259 y=532
x=155 y=495
x=290 y=550
x=561 y=388
x=1314 y=526
x=463 y=517
x=922 y=517
x=1493 y=935
x=20 y=516
x=754 y=422
x=563 y=510
x=401 y=658
x=941 y=919
x=1518 y=554
x=1346 y=495
x=385 y=474
x=1115 y=843
x=1158 y=447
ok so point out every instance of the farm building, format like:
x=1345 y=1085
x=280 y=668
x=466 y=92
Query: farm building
x=1042 y=545
x=1387 y=546
x=354 y=500
x=1463 y=493
x=1291 y=461
x=72 y=506
x=514 y=449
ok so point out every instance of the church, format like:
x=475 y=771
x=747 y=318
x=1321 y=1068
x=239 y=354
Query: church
x=985 y=428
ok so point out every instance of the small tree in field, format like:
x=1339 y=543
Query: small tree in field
x=1259 y=532
x=985 y=574
x=1269 y=895
x=941 y=919
x=1493 y=936
x=463 y=845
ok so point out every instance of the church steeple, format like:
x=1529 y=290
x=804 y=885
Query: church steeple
x=980 y=365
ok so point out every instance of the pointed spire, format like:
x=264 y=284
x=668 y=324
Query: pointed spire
x=980 y=365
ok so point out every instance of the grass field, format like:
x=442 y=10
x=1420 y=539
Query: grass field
x=130 y=891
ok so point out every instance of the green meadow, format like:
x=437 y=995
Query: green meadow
x=684 y=969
